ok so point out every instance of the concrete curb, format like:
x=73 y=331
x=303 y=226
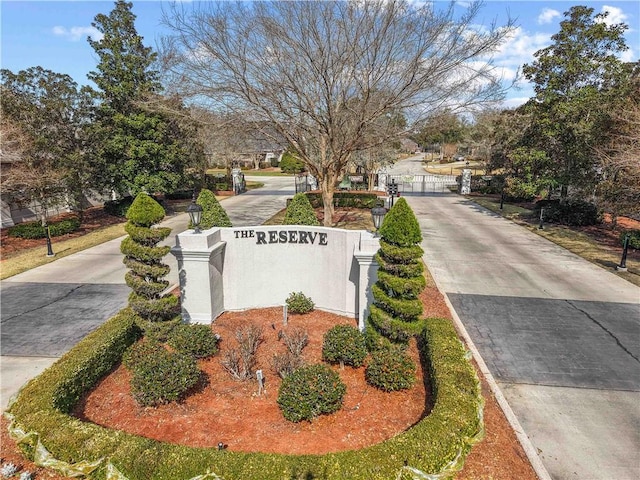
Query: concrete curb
x=529 y=449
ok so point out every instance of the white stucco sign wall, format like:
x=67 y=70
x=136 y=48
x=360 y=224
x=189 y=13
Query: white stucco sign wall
x=252 y=267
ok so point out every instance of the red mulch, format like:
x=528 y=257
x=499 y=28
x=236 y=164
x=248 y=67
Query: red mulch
x=245 y=421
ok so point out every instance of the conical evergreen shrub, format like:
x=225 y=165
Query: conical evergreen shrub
x=396 y=308
x=213 y=215
x=144 y=259
x=300 y=212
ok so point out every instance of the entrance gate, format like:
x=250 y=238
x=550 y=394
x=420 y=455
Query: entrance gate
x=421 y=184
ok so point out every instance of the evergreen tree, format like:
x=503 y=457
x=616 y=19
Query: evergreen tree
x=144 y=258
x=213 y=215
x=138 y=149
x=300 y=212
x=576 y=80
x=396 y=308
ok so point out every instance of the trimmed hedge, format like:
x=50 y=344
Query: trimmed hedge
x=437 y=443
x=213 y=215
x=345 y=199
x=569 y=212
x=298 y=302
x=195 y=340
x=390 y=369
x=35 y=230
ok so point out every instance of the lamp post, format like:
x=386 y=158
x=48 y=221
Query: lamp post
x=377 y=214
x=47 y=234
x=623 y=261
x=195 y=214
x=541 y=226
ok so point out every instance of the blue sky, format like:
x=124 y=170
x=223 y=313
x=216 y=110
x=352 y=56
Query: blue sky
x=52 y=34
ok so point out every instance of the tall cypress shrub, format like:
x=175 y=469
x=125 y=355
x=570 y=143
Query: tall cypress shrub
x=144 y=259
x=213 y=215
x=300 y=212
x=396 y=308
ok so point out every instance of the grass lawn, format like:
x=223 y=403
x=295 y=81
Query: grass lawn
x=34 y=257
x=573 y=239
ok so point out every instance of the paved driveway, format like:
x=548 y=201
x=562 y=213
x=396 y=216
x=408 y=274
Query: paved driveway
x=560 y=335
x=47 y=310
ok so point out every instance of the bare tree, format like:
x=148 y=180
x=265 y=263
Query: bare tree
x=326 y=74
x=619 y=189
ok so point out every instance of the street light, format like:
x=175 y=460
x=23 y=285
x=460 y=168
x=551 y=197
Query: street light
x=47 y=234
x=195 y=214
x=377 y=214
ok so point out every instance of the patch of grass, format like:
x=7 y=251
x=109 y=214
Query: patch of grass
x=575 y=241
x=453 y=169
x=35 y=257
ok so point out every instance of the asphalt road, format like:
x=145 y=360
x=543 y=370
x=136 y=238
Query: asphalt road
x=47 y=310
x=560 y=335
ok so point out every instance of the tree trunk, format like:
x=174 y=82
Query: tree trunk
x=327 y=185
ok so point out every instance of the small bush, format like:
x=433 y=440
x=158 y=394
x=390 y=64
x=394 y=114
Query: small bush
x=240 y=362
x=296 y=340
x=164 y=377
x=634 y=238
x=310 y=391
x=195 y=340
x=344 y=344
x=298 y=302
x=35 y=230
x=291 y=164
x=390 y=369
x=139 y=353
x=300 y=212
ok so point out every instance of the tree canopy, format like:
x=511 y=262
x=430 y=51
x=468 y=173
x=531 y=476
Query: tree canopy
x=139 y=147
x=330 y=77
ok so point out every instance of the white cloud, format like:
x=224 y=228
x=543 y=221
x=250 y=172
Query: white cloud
x=547 y=16
x=616 y=15
x=77 y=33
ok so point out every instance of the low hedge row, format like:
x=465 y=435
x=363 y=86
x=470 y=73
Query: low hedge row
x=346 y=199
x=35 y=230
x=438 y=443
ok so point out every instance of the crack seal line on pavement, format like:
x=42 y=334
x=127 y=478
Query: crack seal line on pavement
x=605 y=329
x=43 y=306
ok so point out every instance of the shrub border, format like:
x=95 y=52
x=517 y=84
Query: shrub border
x=438 y=444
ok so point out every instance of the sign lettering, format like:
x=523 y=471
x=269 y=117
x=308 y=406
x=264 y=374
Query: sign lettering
x=284 y=236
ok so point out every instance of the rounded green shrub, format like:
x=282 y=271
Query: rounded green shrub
x=390 y=369
x=300 y=212
x=400 y=226
x=291 y=164
x=164 y=377
x=140 y=352
x=145 y=211
x=310 y=391
x=213 y=215
x=195 y=340
x=298 y=302
x=344 y=344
